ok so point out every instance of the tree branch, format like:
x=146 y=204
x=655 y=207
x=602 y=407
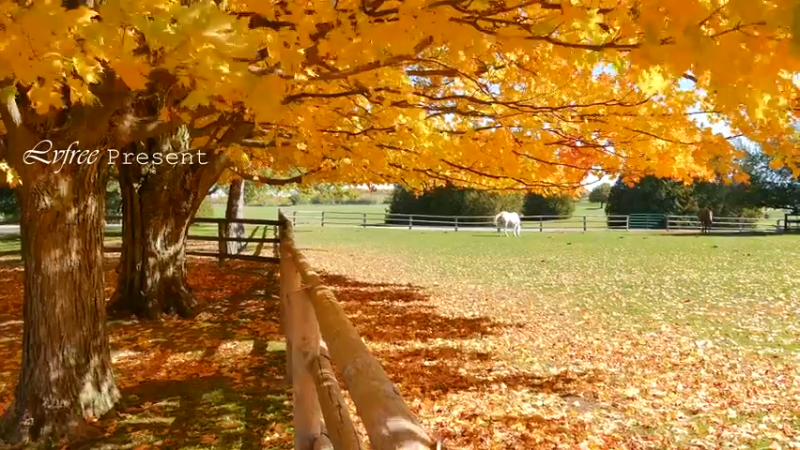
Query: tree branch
x=133 y=129
x=271 y=181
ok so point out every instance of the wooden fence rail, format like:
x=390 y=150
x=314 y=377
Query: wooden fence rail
x=113 y=230
x=316 y=326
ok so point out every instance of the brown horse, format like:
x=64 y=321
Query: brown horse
x=706 y=217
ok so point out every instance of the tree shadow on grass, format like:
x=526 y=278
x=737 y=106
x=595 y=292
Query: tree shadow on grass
x=392 y=312
x=343 y=282
x=433 y=361
x=11 y=282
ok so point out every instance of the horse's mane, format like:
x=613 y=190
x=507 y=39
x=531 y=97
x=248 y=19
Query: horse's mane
x=497 y=217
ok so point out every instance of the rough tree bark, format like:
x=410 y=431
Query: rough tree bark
x=159 y=202
x=66 y=373
x=235 y=210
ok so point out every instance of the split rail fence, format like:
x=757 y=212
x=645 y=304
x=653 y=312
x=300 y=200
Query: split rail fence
x=598 y=222
x=318 y=332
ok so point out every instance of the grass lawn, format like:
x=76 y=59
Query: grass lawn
x=616 y=339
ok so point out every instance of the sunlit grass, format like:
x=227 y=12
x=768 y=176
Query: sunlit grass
x=736 y=289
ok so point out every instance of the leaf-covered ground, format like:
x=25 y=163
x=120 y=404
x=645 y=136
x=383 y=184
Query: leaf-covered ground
x=597 y=340
x=215 y=382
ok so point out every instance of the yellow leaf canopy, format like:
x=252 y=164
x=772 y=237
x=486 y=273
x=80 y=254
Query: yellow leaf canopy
x=498 y=94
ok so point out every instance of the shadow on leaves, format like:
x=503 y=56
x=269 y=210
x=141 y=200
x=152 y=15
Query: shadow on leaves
x=394 y=312
x=216 y=381
x=442 y=370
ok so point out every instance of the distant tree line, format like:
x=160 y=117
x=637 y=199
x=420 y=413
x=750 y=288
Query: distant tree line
x=317 y=194
x=450 y=200
x=767 y=188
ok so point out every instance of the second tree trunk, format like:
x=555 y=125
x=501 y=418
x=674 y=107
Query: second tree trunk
x=235 y=210
x=158 y=207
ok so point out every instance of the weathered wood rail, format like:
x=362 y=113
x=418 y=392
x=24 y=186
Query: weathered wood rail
x=222 y=238
x=318 y=331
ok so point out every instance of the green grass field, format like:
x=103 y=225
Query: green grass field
x=645 y=278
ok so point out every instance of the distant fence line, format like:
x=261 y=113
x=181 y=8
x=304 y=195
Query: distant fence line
x=539 y=223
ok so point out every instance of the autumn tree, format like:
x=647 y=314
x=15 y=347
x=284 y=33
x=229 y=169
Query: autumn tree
x=600 y=194
x=160 y=201
x=477 y=94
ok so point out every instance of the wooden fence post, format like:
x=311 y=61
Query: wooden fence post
x=305 y=350
x=222 y=232
x=584 y=224
x=322 y=219
x=456 y=224
x=276 y=235
x=667 y=223
x=541 y=224
x=627 y=223
x=294 y=218
x=290 y=281
x=364 y=220
x=410 y=222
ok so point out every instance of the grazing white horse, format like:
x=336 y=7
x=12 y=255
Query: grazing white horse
x=510 y=219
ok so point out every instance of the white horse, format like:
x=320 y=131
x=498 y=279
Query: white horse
x=510 y=219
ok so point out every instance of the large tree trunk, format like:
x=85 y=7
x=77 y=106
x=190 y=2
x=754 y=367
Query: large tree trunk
x=159 y=202
x=66 y=373
x=235 y=210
